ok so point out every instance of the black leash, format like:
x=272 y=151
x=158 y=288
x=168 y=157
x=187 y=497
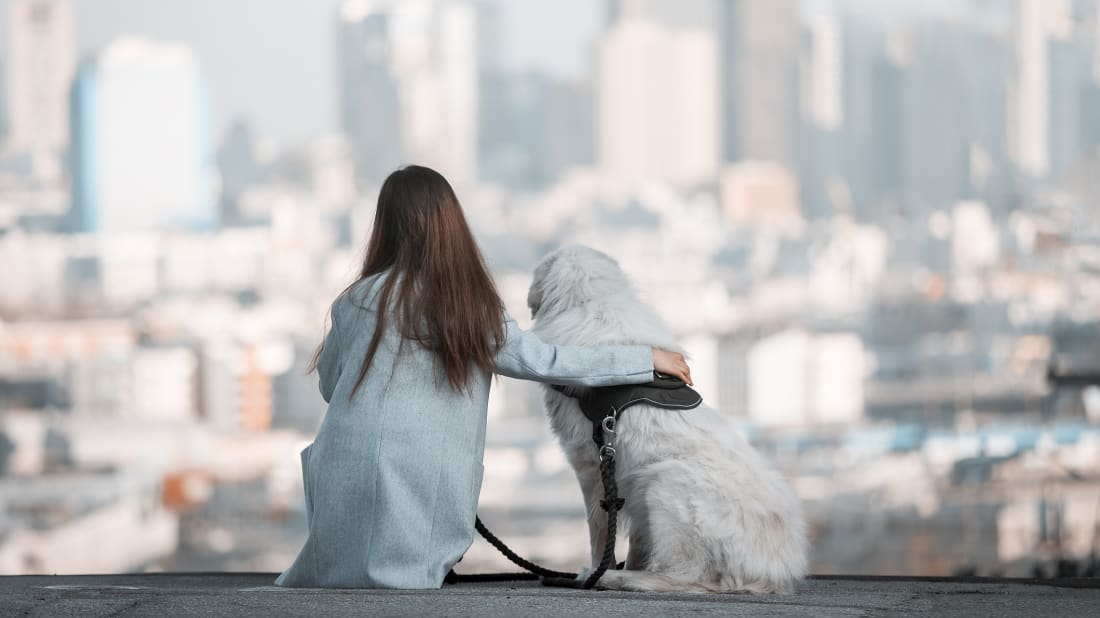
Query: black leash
x=534 y=571
x=611 y=503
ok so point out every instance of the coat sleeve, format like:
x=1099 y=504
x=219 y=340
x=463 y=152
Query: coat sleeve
x=329 y=365
x=527 y=357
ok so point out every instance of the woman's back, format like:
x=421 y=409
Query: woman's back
x=393 y=475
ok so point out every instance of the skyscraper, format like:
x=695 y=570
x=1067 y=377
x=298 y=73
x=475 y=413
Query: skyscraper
x=822 y=75
x=141 y=156
x=40 y=53
x=953 y=107
x=408 y=73
x=238 y=168
x=534 y=126
x=759 y=43
x=823 y=131
x=1031 y=96
x=886 y=96
x=370 y=105
x=657 y=110
x=1073 y=89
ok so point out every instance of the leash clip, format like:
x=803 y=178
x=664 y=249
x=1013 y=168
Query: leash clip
x=609 y=424
x=607 y=451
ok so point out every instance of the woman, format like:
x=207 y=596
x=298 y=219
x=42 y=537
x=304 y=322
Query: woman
x=393 y=476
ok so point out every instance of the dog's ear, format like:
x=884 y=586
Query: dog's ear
x=537 y=290
x=533 y=303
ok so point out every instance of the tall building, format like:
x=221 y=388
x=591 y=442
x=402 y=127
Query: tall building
x=1090 y=94
x=759 y=50
x=141 y=156
x=40 y=60
x=953 y=115
x=409 y=79
x=238 y=168
x=370 y=105
x=534 y=127
x=884 y=121
x=1031 y=95
x=1074 y=86
x=821 y=74
x=866 y=151
x=824 y=132
x=657 y=103
x=797 y=378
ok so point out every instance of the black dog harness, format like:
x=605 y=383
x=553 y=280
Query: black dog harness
x=602 y=405
x=604 y=402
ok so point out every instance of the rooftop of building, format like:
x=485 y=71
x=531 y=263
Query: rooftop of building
x=252 y=594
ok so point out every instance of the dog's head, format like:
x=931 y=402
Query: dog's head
x=573 y=276
x=580 y=296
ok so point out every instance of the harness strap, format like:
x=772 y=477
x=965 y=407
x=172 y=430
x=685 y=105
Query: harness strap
x=599 y=402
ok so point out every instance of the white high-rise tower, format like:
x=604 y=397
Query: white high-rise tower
x=1032 y=89
x=40 y=63
x=142 y=159
x=657 y=112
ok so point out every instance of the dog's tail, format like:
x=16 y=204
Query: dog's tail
x=648 y=581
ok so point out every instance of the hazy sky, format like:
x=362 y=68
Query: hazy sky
x=273 y=61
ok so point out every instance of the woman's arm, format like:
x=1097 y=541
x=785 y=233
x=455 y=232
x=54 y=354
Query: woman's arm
x=527 y=357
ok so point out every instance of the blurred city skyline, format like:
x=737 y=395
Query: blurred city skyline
x=250 y=67
x=297 y=44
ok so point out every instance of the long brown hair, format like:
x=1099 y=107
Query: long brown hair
x=444 y=296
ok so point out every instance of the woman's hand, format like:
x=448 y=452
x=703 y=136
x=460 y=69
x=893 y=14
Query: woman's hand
x=672 y=363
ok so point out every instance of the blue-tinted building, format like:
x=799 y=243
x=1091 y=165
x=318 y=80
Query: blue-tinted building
x=140 y=141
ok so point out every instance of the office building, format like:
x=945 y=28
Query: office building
x=141 y=153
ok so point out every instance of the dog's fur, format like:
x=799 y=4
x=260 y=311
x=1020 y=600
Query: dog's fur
x=705 y=512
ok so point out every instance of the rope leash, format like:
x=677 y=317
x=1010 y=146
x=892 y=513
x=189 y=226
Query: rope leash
x=611 y=503
x=534 y=571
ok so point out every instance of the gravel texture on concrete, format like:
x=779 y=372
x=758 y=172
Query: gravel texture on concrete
x=251 y=594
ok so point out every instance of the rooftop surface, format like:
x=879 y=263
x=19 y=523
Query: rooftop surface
x=251 y=594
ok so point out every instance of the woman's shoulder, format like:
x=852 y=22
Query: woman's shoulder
x=364 y=291
x=363 y=294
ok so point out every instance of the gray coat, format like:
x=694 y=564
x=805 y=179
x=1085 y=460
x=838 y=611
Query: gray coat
x=393 y=475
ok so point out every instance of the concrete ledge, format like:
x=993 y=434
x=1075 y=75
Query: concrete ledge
x=251 y=594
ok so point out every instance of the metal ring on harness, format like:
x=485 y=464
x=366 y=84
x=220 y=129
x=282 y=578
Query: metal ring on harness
x=607 y=452
x=609 y=424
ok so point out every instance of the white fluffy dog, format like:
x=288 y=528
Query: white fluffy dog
x=705 y=512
